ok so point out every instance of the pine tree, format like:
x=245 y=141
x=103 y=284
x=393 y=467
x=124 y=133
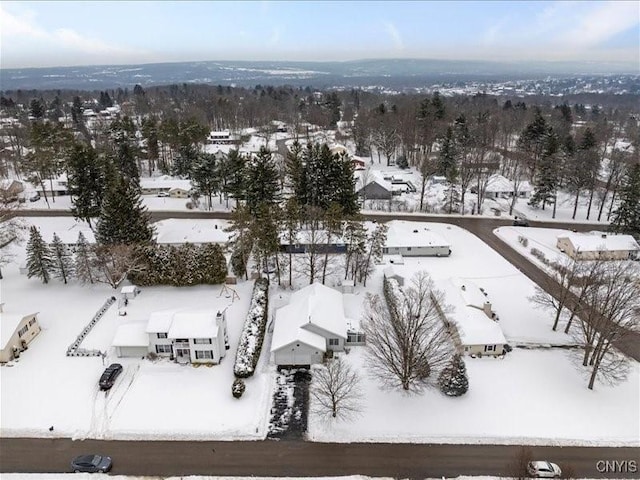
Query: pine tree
x=123 y=219
x=547 y=176
x=83 y=260
x=62 y=260
x=236 y=186
x=204 y=176
x=453 y=379
x=86 y=180
x=626 y=218
x=213 y=264
x=39 y=261
x=263 y=185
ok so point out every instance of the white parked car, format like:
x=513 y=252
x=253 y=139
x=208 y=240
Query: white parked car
x=163 y=194
x=543 y=469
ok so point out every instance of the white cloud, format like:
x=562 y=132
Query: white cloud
x=25 y=43
x=598 y=25
x=394 y=34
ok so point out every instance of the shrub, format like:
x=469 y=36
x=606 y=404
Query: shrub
x=253 y=331
x=453 y=379
x=238 y=387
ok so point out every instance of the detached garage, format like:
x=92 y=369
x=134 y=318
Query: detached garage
x=131 y=340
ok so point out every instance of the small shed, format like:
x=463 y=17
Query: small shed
x=129 y=291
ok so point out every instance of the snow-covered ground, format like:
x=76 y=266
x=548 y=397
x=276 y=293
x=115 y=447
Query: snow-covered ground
x=530 y=396
x=45 y=388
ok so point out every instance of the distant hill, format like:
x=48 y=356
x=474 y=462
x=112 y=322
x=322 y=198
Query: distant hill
x=393 y=73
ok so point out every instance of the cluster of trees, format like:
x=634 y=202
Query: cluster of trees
x=181 y=265
x=602 y=300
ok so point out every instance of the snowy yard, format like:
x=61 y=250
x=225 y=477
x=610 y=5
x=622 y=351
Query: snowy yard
x=45 y=388
x=531 y=396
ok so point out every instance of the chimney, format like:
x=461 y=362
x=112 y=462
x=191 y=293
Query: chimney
x=486 y=308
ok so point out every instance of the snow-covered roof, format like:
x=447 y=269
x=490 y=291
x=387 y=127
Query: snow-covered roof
x=593 y=242
x=8 y=323
x=500 y=184
x=177 y=231
x=69 y=236
x=389 y=271
x=474 y=326
x=131 y=335
x=471 y=294
x=314 y=305
x=366 y=177
x=160 y=322
x=412 y=234
x=164 y=182
x=128 y=289
x=194 y=324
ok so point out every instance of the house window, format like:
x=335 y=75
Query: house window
x=161 y=335
x=385 y=250
x=182 y=340
x=163 y=348
x=204 y=354
x=355 y=338
x=408 y=249
x=23 y=330
x=201 y=341
x=489 y=348
x=334 y=342
x=182 y=352
x=32 y=321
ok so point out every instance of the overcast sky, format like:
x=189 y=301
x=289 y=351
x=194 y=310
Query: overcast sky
x=43 y=34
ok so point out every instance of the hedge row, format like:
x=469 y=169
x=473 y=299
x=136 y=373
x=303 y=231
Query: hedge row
x=253 y=331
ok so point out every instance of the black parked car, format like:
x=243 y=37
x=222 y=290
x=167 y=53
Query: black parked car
x=109 y=376
x=91 y=464
x=520 y=222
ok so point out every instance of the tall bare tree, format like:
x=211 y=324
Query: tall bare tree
x=336 y=390
x=407 y=341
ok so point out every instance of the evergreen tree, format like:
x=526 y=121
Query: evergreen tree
x=40 y=263
x=547 y=176
x=204 y=176
x=447 y=163
x=86 y=182
x=84 y=260
x=213 y=264
x=453 y=379
x=241 y=241
x=236 y=178
x=262 y=181
x=626 y=218
x=123 y=219
x=62 y=260
x=532 y=140
x=295 y=173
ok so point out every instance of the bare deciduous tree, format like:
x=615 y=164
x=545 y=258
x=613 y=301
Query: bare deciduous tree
x=336 y=390
x=12 y=230
x=612 y=311
x=112 y=263
x=407 y=341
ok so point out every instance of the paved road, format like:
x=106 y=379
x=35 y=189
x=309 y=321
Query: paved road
x=284 y=458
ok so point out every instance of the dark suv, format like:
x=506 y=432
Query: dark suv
x=520 y=222
x=109 y=376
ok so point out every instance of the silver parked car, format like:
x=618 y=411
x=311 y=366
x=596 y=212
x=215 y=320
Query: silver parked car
x=543 y=469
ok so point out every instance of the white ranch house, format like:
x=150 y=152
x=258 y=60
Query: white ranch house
x=187 y=336
x=17 y=331
x=592 y=246
x=413 y=239
x=475 y=324
x=312 y=324
x=499 y=186
x=175 y=231
x=175 y=188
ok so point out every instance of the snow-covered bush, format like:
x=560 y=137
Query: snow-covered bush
x=238 y=387
x=453 y=379
x=253 y=331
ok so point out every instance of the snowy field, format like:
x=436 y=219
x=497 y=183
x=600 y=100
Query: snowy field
x=530 y=396
x=199 y=399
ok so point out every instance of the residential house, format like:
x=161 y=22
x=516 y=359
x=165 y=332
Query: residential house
x=501 y=187
x=188 y=336
x=473 y=322
x=593 y=246
x=175 y=231
x=131 y=340
x=17 y=331
x=312 y=240
x=10 y=190
x=413 y=239
x=56 y=186
x=312 y=324
x=370 y=185
x=164 y=184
